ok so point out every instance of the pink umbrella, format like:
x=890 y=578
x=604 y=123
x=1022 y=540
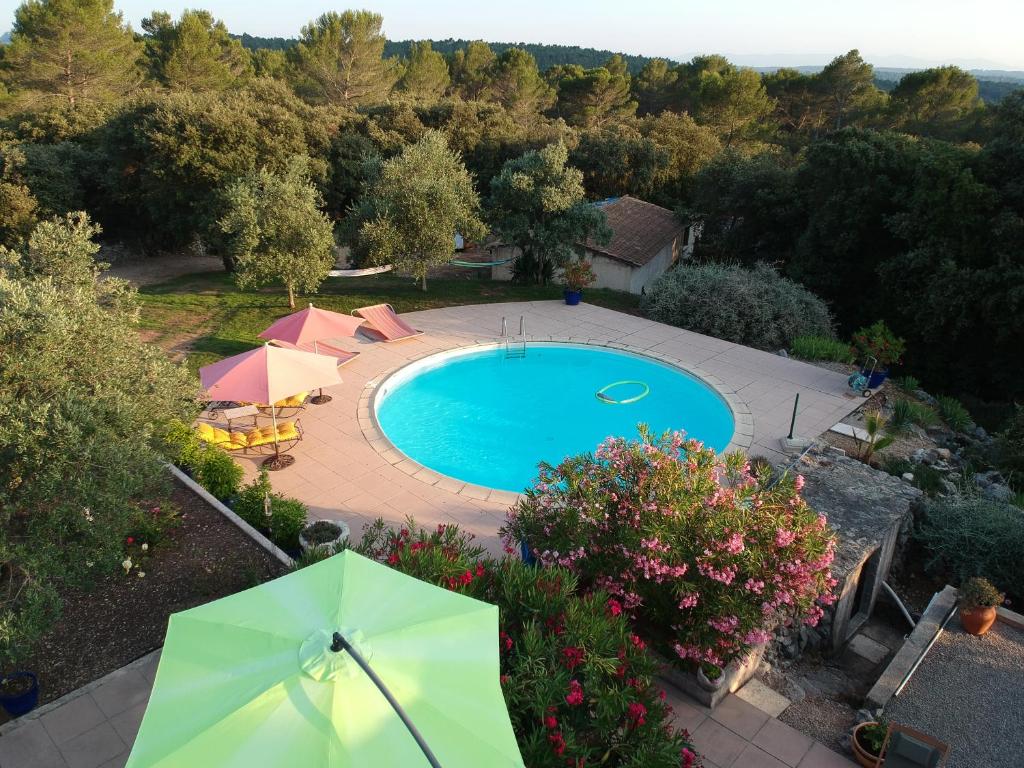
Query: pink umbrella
x=310 y=325
x=265 y=375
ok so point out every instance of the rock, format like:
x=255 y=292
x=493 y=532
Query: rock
x=954 y=476
x=941 y=466
x=863 y=716
x=997 y=492
x=790 y=648
x=782 y=353
x=919 y=456
x=920 y=394
x=980 y=433
x=943 y=453
x=844 y=742
x=947 y=487
x=795 y=692
x=908 y=476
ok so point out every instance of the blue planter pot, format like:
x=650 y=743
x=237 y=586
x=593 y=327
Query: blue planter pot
x=526 y=554
x=23 y=703
x=572 y=298
x=877 y=378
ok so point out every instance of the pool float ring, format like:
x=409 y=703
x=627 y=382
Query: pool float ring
x=605 y=398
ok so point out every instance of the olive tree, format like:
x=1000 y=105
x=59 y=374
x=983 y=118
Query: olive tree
x=276 y=231
x=84 y=404
x=413 y=206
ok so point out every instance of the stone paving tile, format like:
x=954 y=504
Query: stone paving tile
x=739 y=716
x=123 y=691
x=782 y=742
x=717 y=743
x=820 y=756
x=753 y=757
x=29 y=745
x=93 y=748
x=75 y=718
x=127 y=723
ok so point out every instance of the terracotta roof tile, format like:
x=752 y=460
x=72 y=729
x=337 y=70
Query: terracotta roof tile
x=639 y=230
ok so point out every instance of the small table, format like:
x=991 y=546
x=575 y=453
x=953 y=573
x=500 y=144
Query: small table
x=240 y=413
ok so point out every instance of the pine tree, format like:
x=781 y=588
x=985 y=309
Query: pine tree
x=195 y=54
x=471 y=70
x=426 y=75
x=339 y=59
x=71 y=52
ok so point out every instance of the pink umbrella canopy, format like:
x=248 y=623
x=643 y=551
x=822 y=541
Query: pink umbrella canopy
x=312 y=324
x=268 y=374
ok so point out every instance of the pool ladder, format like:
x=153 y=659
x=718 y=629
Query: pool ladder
x=514 y=347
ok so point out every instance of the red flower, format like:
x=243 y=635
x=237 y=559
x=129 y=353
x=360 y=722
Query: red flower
x=557 y=743
x=504 y=679
x=480 y=570
x=688 y=757
x=440 y=529
x=573 y=657
x=506 y=641
x=614 y=607
x=129 y=541
x=638 y=643
x=404 y=533
x=575 y=697
x=466 y=577
x=551 y=721
x=637 y=714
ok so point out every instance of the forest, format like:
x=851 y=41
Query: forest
x=904 y=204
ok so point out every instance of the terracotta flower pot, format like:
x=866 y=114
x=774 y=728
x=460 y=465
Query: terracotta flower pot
x=863 y=757
x=977 y=621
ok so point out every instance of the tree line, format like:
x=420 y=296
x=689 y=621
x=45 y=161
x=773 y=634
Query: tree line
x=899 y=204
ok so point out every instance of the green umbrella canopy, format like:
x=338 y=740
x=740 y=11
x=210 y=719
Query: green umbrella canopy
x=251 y=680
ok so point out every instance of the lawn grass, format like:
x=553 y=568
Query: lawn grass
x=217 y=319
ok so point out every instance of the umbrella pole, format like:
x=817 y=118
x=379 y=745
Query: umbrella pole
x=277 y=461
x=321 y=398
x=341 y=644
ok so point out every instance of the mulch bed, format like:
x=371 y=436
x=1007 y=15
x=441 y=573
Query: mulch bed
x=124 y=617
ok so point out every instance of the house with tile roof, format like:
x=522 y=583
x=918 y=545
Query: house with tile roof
x=646 y=240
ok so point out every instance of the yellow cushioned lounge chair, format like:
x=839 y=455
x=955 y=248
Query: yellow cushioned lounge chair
x=288 y=433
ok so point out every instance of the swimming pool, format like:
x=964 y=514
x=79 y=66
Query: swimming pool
x=485 y=418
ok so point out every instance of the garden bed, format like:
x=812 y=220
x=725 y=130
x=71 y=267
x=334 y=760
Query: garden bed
x=125 y=616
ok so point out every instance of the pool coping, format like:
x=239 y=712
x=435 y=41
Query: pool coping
x=366 y=413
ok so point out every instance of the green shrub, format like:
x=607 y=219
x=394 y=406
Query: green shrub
x=181 y=445
x=689 y=542
x=953 y=413
x=1010 y=449
x=979 y=593
x=907 y=383
x=906 y=412
x=968 y=536
x=287 y=516
x=218 y=473
x=927 y=478
x=577 y=682
x=757 y=307
x=821 y=348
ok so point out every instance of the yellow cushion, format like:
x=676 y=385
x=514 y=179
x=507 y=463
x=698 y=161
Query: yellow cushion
x=205 y=431
x=292 y=402
x=233 y=445
x=220 y=436
x=287 y=431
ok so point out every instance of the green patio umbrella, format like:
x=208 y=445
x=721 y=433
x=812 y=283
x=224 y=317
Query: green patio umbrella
x=283 y=675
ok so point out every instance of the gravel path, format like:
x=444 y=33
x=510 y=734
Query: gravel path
x=969 y=693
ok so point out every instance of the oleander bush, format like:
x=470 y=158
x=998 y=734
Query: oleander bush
x=578 y=683
x=757 y=307
x=703 y=553
x=967 y=535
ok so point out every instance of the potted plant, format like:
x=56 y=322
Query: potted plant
x=867 y=742
x=709 y=676
x=878 y=342
x=19 y=693
x=978 y=601
x=577 y=276
x=329 y=535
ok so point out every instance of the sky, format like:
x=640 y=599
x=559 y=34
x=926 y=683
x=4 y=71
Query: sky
x=911 y=33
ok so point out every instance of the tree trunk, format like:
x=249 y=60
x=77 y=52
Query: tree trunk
x=423 y=284
x=291 y=296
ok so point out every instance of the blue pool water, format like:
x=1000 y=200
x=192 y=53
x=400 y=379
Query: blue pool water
x=487 y=419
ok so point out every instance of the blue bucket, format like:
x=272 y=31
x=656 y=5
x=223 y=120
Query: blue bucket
x=22 y=703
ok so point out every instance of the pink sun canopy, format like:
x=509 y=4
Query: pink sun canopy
x=268 y=374
x=312 y=324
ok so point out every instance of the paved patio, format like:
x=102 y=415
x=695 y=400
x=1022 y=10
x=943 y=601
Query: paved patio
x=95 y=727
x=347 y=470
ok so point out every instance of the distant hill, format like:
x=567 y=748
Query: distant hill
x=5 y=37
x=546 y=55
